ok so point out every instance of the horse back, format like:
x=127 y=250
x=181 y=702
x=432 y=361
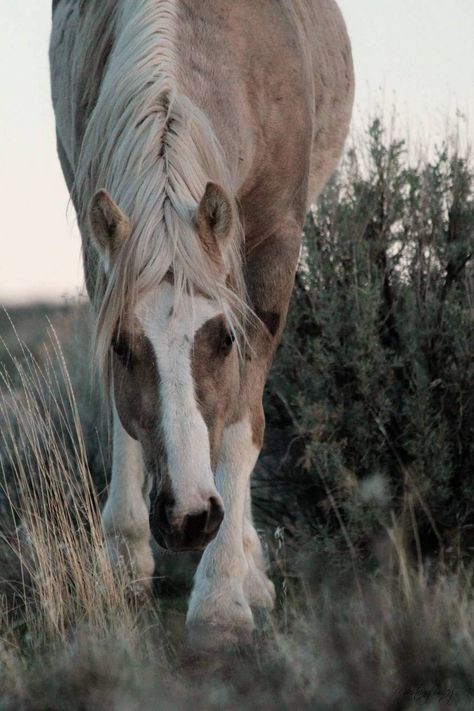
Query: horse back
x=274 y=78
x=277 y=80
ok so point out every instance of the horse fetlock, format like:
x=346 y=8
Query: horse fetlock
x=135 y=555
x=219 y=615
x=218 y=597
x=253 y=547
x=258 y=589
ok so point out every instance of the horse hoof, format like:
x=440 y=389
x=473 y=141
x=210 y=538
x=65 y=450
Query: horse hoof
x=207 y=638
x=220 y=622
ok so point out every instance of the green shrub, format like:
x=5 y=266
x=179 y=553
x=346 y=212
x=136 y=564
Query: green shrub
x=370 y=404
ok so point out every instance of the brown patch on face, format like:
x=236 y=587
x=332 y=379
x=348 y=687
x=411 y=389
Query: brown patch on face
x=215 y=370
x=136 y=390
x=136 y=383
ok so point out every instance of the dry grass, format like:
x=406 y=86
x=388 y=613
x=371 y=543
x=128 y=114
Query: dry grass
x=63 y=579
x=75 y=635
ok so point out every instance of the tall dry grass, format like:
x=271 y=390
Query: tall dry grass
x=62 y=578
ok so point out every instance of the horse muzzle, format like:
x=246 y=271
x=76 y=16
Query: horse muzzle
x=192 y=531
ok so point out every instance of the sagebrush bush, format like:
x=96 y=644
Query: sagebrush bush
x=375 y=373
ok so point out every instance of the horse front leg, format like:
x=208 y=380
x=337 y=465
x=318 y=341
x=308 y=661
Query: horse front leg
x=271 y=270
x=258 y=588
x=125 y=517
x=230 y=578
x=219 y=611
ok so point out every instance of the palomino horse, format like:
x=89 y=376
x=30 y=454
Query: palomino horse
x=193 y=136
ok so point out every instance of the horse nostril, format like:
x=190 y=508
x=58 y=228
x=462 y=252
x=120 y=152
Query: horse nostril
x=215 y=514
x=194 y=525
x=199 y=528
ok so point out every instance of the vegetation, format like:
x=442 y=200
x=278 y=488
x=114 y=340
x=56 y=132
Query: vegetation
x=364 y=492
x=372 y=392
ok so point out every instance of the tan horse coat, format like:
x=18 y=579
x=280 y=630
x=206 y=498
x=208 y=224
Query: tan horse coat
x=255 y=95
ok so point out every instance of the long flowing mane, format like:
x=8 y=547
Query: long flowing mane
x=154 y=151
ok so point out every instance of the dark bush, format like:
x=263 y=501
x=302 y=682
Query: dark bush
x=370 y=403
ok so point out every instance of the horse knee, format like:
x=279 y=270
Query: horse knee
x=130 y=522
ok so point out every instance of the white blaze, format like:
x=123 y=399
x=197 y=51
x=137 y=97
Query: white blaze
x=186 y=436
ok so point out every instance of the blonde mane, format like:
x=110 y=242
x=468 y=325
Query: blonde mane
x=154 y=151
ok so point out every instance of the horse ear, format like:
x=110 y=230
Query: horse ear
x=214 y=220
x=109 y=226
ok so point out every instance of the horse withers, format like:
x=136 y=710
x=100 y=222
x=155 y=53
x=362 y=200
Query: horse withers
x=193 y=137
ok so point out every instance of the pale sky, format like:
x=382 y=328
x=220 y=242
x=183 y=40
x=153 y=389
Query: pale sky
x=416 y=55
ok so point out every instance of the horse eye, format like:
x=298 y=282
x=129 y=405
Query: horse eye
x=122 y=350
x=227 y=343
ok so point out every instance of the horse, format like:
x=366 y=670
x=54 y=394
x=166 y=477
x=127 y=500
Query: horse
x=193 y=138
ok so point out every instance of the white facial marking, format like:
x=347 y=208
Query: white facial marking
x=185 y=432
